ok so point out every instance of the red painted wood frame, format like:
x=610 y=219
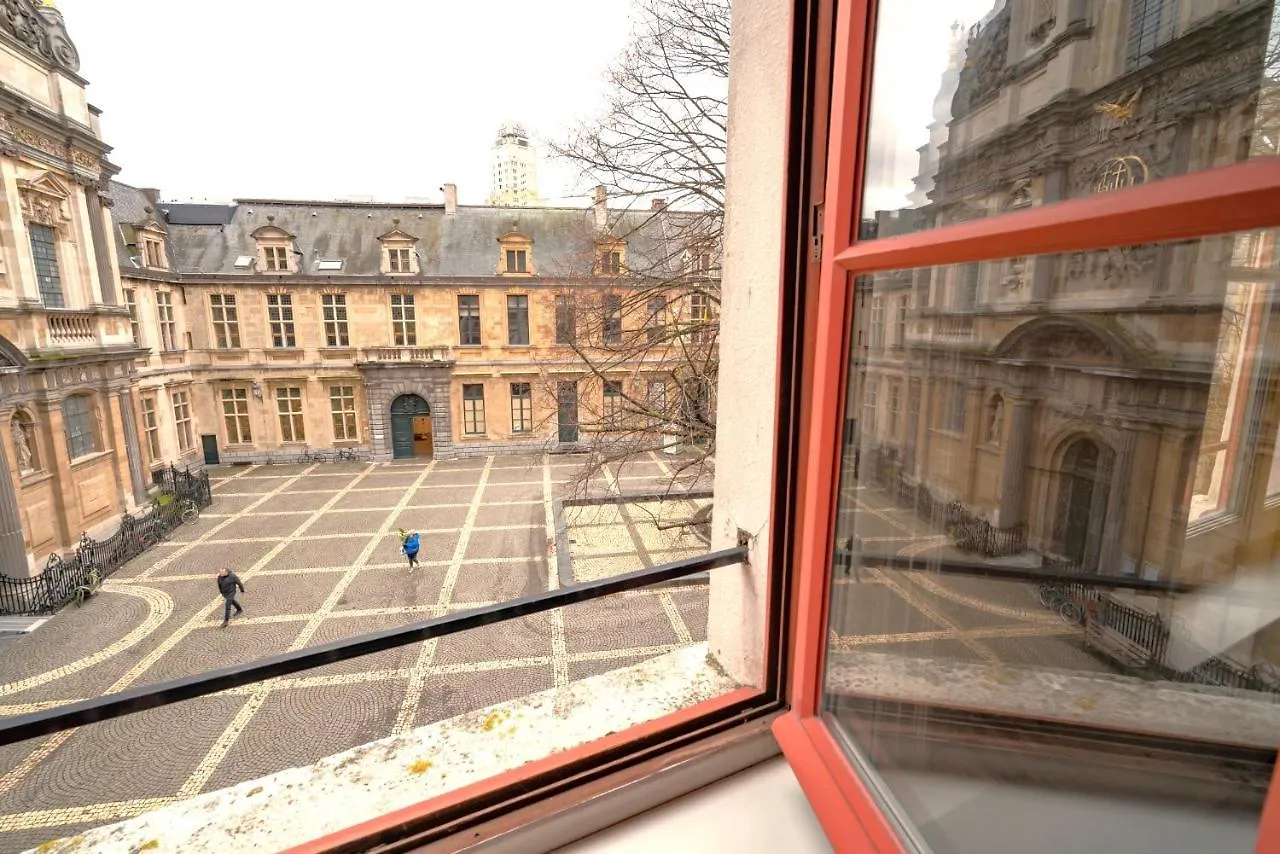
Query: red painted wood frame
x=1226 y=199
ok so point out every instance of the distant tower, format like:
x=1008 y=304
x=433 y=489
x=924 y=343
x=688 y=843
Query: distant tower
x=939 y=128
x=514 y=181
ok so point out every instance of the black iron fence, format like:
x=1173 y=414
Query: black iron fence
x=970 y=533
x=63 y=575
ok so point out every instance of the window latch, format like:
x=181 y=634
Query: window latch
x=815 y=233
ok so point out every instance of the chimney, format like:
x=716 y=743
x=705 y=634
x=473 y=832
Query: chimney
x=602 y=209
x=450 y=198
x=659 y=204
x=152 y=195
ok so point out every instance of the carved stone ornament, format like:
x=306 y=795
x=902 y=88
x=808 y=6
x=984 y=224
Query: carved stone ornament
x=41 y=31
x=22 y=442
x=42 y=209
x=986 y=55
x=1043 y=20
x=1114 y=266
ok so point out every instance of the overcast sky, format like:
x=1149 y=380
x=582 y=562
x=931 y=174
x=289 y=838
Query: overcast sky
x=298 y=99
x=391 y=99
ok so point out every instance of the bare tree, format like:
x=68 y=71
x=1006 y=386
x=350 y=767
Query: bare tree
x=642 y=321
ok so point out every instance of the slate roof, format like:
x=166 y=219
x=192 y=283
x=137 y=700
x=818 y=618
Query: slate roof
x=207 y=238
x=129 y=210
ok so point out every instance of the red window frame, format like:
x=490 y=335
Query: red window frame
x=1225 y=199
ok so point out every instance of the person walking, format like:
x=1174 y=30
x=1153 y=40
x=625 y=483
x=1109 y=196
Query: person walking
x=228 y=581
x=410 y=543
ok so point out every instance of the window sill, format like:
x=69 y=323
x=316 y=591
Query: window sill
x=88 y=459
x=1213 y=521
x=34 y=478
x=359 y=794
x=475 y=437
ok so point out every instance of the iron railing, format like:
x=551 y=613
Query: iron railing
x=72 y=715
x=62 y=576
x=1086 y=601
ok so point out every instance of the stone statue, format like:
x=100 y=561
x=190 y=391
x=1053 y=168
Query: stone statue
x=22 y=445
x=996 y=426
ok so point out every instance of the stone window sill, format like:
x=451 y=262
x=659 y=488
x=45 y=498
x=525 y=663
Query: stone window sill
x=34 y=478
x=88 y=459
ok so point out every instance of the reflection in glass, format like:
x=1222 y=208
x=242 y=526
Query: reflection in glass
x=1004 y=104
x=1058 y=585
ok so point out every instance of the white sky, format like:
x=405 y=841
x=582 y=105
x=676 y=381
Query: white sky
x=391 y=99
x=298 y=99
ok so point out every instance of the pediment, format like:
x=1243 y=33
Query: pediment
x=270 y=232
x=153 y=227
x=397 y=235
x=515 y=237
x=46 y=184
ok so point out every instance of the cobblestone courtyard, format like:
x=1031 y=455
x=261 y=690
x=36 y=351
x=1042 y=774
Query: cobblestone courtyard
x=317 y=549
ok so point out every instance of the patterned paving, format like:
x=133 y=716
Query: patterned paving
x=317 y=550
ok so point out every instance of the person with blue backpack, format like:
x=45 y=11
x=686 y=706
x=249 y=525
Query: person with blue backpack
x=410 y=543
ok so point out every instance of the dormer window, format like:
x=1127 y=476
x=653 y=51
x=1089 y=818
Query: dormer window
x=149 y=243
x=398 y=254
x=153 y=253
x=610 y=257
x=516 y=258
x=275 y=248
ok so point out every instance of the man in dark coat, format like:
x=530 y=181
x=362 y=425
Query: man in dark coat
x=228 y=581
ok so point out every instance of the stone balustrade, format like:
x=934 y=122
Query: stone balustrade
x=71 y=327
x=408 y=354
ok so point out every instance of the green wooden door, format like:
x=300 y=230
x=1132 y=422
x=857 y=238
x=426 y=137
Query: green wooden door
x=403 y=409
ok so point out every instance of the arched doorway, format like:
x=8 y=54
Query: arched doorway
x=410 y=427
x=1079 y=489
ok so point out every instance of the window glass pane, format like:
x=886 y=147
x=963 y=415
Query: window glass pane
x=1054 y=583
x=44 y=251
x=469 y=320
x=984 y=110
x=517 y=320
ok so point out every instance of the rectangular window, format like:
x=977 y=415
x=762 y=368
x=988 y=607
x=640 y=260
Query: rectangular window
x=895 y=405
x=656 y=319
x=610 y=262
x=1149 y=27
x=182 y=421
x=700 y=316
x=612 y=408
x=612 y=305
x=517 y=261
x=953 y=407
x=168 y=326
x=77 y=422
x=877 y=322
x=469 y=320
x=289 y=406
x=235 y=415
x=280 y=320
x=967 y=295
x=566 y=324
x=517 y=320
x=521 y=408
x=151 y=425
x=334 y=309
x=900 y=333
x=700 y=263
x=44 y=251
x=473 y=410
x=152 y=252
x=226 y=322
x=130 y=302
x=870 y=399
x=275 y=258
x=404 y=325
x=398 y=261
x=342 y=403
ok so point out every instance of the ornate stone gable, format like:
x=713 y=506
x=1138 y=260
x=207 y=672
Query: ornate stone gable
x=39 y=31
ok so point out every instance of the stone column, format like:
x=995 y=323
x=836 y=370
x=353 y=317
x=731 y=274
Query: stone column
x=1111 y=555
x=13 y=549
x=104 y=249
x=1013 y=477
x=133 y=450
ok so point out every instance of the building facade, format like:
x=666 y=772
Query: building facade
x=1117 y=409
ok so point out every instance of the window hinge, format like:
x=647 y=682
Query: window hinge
x=815 y=233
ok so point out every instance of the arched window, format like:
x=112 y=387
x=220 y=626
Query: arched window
x=25 y=449
x=77 y=421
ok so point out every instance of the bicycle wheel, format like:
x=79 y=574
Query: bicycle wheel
x=1071 y=611
x=190 y=513
x=1046 y=595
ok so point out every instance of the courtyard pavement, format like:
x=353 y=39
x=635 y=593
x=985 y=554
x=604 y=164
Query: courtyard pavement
x=317 y=549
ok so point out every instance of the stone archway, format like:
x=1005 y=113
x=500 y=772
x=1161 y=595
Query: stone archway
x=1081 y=490
x=410 y=427
x=384 y=383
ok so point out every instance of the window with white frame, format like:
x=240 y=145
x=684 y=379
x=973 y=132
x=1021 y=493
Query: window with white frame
x=334 y=309
x=226 y=321
x=877 y=322
x=895 y=407
x=404 y=325
x=280 y=320
x=521 y=408
x=611 y=409
x=164 y=316
x=342 y=406
x=473 y=409
x=182 y=420
x=130 y=303
x=870 y=400
x=900 y=333
x=151 y=425
x=398 y=260
x=235 y=415
x=289 y=408
x=275 y=259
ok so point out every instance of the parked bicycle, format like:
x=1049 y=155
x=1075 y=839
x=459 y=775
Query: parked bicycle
x=346 y=455
x=1059 y=599
x=310 y=456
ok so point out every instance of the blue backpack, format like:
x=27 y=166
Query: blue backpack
x=411 y=544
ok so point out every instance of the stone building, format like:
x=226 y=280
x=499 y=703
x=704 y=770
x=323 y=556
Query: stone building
x=69 y=458
x=514 y=178
x=1115 y=408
